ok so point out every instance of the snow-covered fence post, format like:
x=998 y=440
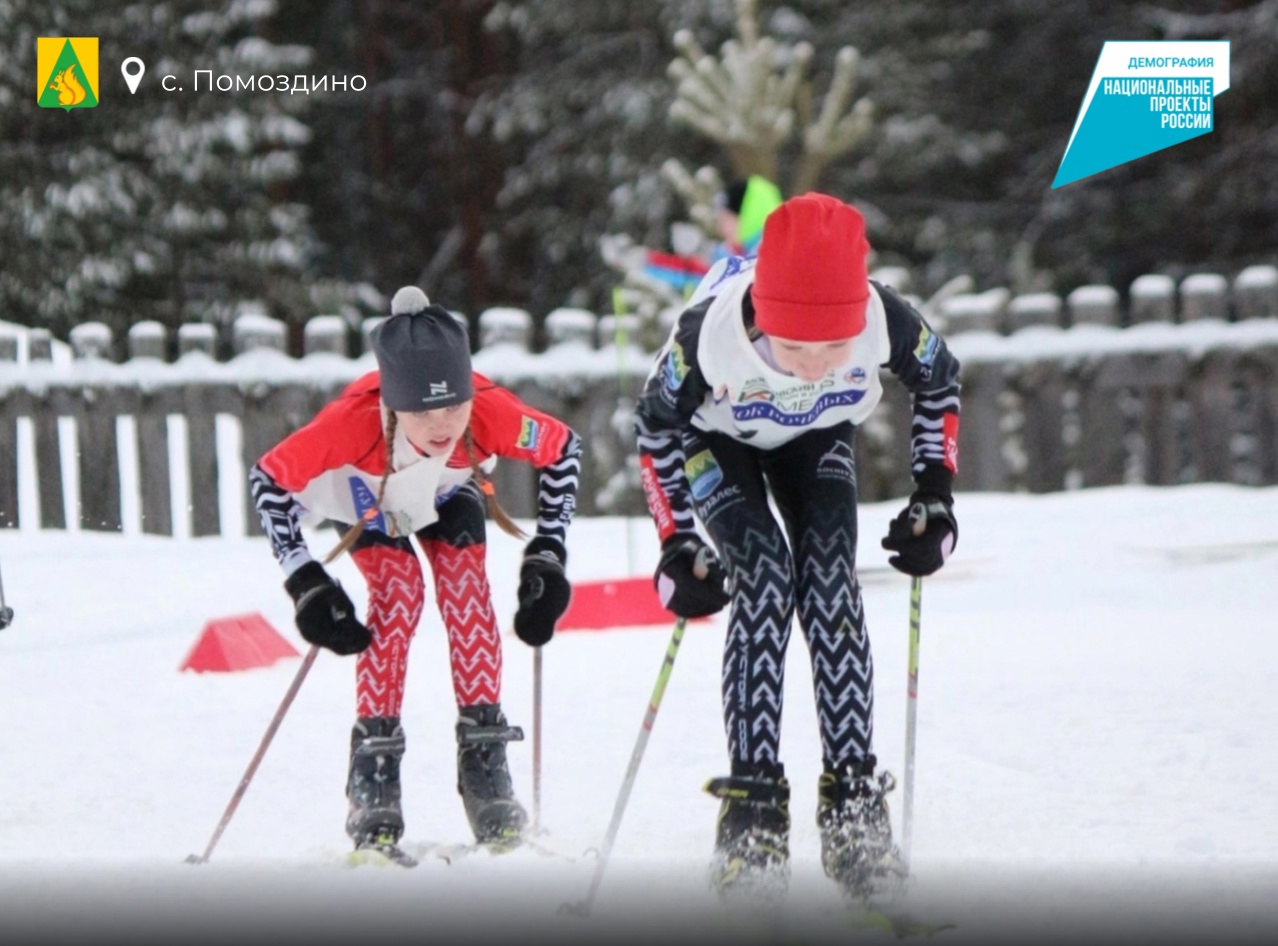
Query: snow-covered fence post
x=253 y=330
x=981 y=312
x=1102 y=383
x=153 y=463
x=1035 y=308
x=1259 y=368
x=200 y=408
x=39 y=345
x=1160 y=377
x=45 y=428
x=1204 y=296
x=94 y=410
x=1093 y=305
x=1212 y=406
x=324 y=334
x=1042 y=386
x=8 y=432
x=93 y=340
x=147 y=340
x=571 y=325
x=505 y=326
x=1153 y=299
x=197 y=336
x=1256 y=292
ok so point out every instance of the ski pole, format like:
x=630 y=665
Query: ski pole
x=257 y=757
x=6 y=613
x=583 y=907
x=536 y=740
x=911 y=718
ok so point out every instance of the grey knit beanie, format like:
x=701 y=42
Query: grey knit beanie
x=423 y=355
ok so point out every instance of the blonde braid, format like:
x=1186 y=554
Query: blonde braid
x=499 y=515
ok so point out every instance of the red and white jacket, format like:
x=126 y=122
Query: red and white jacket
x=332 y=468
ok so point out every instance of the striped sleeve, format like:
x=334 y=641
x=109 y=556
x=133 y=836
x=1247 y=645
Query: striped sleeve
x=923 y=362
x=674 y=390
x=665 y=484
x=557 y=491
x=278 y=510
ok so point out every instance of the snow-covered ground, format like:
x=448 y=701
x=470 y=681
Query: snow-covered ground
x=1096 y=741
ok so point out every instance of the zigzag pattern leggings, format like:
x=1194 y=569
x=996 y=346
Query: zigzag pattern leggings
x=455 y=548
x=812 y=480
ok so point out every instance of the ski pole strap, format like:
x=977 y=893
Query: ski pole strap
x=478 y=735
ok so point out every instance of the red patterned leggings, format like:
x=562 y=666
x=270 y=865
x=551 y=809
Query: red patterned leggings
x=455 y=548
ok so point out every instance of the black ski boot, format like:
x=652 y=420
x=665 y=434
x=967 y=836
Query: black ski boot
x=752 y=840
x=376 y=818
x=856 y=831
x=483 y=777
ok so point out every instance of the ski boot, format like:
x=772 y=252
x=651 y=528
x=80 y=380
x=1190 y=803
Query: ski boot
x=751 y=860
x=483 y=777
x=375 y=820
x=856 y=832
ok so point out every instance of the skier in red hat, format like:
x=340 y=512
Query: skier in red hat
x=756 y=396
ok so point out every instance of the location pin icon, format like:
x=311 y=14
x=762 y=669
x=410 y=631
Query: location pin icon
x=133 y=78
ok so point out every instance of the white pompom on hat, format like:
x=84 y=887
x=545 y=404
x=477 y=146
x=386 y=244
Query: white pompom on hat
x=408 y=300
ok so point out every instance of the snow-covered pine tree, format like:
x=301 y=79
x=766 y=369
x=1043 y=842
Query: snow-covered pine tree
x=758 y=93
x=756 y=103
x=398 y=190
x=582 y=120
x=164 y=205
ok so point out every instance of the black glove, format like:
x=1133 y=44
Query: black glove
x=923 y=535
x=544 y=591
x=325 y=615
x=690 y=580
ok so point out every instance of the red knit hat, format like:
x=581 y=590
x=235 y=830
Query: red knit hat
x=810 y=282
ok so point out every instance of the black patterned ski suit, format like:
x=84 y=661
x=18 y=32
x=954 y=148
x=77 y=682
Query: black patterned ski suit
x=808 y=559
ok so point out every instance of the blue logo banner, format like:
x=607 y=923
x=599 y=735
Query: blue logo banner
x=1144 y=97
